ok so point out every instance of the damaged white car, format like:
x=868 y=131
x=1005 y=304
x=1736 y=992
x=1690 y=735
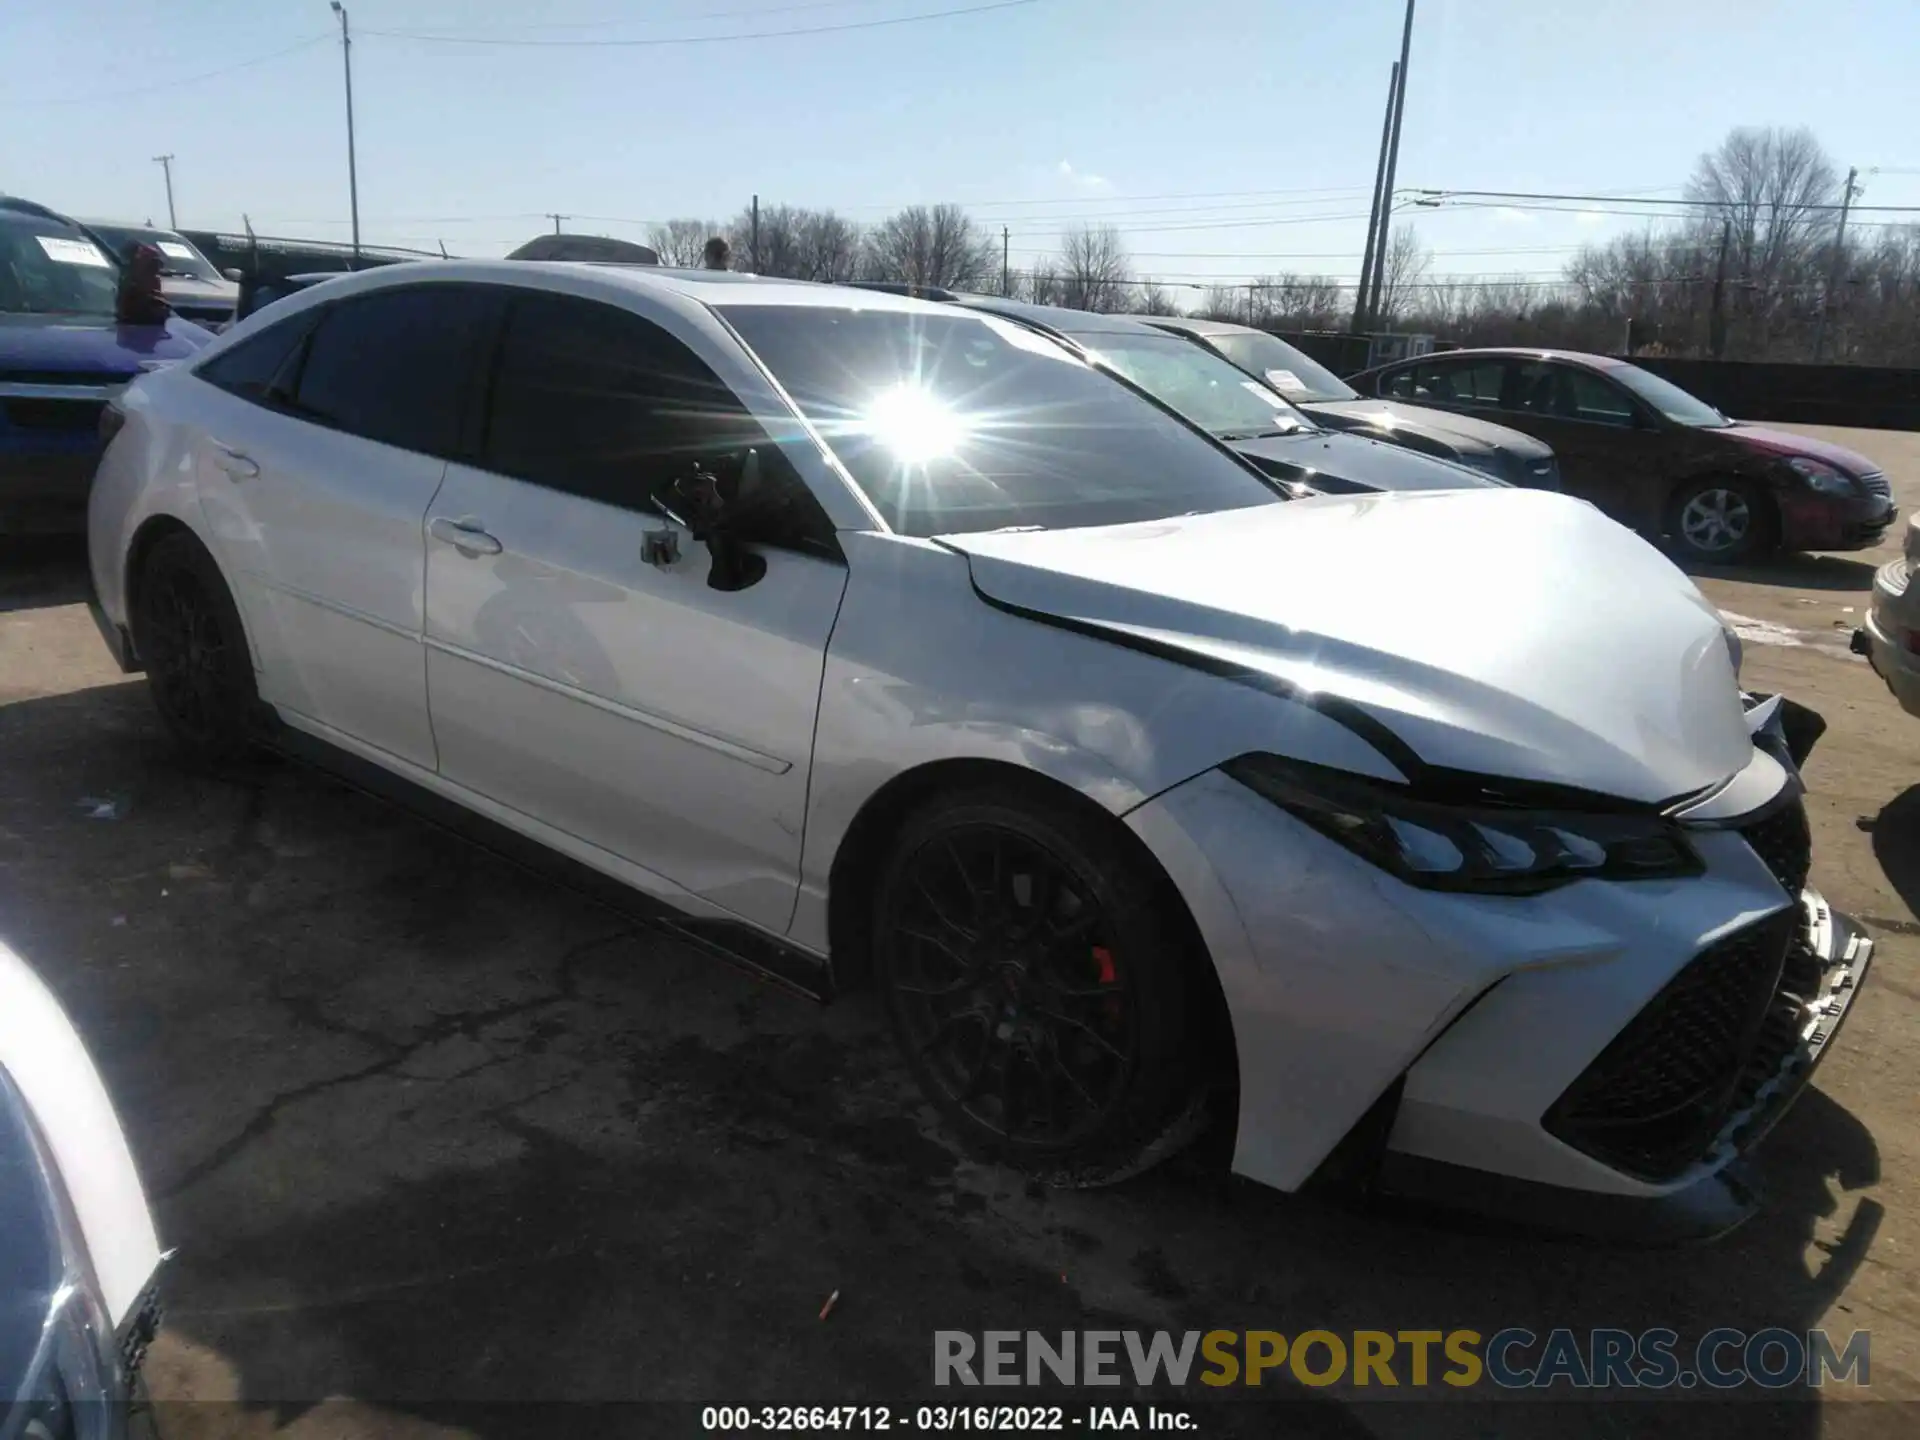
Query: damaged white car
x=886 y=643
x=79 y=1264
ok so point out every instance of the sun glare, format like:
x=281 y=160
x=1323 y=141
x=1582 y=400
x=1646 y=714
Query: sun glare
x=914 y=425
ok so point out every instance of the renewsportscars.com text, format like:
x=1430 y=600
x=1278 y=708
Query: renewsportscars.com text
x=1513 y=1358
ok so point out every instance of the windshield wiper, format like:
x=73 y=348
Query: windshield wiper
x=1236 y=435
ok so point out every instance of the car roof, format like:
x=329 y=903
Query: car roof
x=1513 y=352
x=716 y=288
x=1059 y=317
x=1194 y=325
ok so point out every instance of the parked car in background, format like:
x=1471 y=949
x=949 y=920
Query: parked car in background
x=191 y=285
x=1233 y=407
x=1495 y=450
x=899 y=641
x=79 y=1261
x=1890 y=639
x=263 y=266
x=593 y=249
x=63 y=355
x=1655 y=457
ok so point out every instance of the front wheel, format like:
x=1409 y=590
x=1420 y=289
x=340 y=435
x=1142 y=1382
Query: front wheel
x=1720 y=521
x=1039 y=986
x=188 y=634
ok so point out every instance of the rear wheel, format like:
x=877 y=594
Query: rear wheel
x=1720 y=521
x=1038 y=986
x=188 y=633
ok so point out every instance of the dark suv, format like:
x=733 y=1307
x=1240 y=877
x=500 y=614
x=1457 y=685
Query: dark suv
x=1655 y=457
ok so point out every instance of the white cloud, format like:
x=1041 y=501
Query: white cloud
x=1507 y=215
x=1081 y=180
x=1589 y=217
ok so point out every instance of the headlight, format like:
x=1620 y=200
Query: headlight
x=1486 y=849
x=1822 y=477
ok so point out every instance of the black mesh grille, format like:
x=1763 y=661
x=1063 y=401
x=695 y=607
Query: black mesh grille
x=1655 y=1096
x=43 y=414
x=1783 y=840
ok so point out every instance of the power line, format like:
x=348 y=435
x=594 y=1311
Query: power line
x=1445 y=195
x=417 y=36
x=658 y=19
x=95 y=99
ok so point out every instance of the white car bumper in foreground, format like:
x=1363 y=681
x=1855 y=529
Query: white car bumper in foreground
x=1596 y=1057
x=1891 y=631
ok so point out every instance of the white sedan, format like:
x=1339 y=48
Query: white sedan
x=1423 y=838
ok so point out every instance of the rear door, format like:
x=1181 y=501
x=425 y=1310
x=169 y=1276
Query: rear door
x=316 y=480
x=583 y=671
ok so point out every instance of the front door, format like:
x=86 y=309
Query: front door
x=1610 y=451
x=315 y=468
x=582 y=670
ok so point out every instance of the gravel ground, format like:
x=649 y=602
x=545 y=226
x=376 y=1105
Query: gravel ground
x=430 y=1132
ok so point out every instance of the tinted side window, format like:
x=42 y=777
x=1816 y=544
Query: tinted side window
x=394 y=366
x=1585 y=396
x=1400 y=383
x=598 y=402
x=250 y=368
x=1477 y=383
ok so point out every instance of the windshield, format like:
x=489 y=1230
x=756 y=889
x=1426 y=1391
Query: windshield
x=1293 y=373
x=1199 y=384
x=178 y=258
x=47 y=268
x=959 y=423
x=1668 y=398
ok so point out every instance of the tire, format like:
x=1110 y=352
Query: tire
x=1040 y=985
x=187 y=631
x=1720 y=521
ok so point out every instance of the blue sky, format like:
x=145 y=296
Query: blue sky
x=1226 y=138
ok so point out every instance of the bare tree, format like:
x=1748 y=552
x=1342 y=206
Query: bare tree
x=1094 y=271
x=1041 y=285
x=1293 y=301
x=830 y=246
x=1406 y=267
x=931 y=245
x=1151 y=298
x=682 y=242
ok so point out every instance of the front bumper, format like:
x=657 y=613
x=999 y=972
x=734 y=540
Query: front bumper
x=1885 y=638
x=1420 y=1041
x=1819 y=522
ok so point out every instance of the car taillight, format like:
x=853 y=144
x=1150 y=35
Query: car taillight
x=112 y=417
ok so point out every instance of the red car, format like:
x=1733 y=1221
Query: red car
x=1656 y=458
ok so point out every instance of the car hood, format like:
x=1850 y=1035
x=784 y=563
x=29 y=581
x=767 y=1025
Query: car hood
x=1462 y=432
x=1783 y=442
x=1328 y=460
x=1503 y=632
x=89 y=349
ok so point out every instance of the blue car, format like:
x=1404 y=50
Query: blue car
x=63 y=355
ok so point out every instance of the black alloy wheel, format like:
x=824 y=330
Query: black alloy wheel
x=187 y=631
x=1036 y=992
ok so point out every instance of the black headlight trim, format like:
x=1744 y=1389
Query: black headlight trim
x=1383 y=823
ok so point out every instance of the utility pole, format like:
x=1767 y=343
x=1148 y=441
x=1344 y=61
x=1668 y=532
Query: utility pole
x=353 y=173
x=1006 y=273
x=1716 y=314
x=753 y=251
x=1373 y=215
x=1393 y=164
x=1839 y=258
x=165 y=162
x=556 y=218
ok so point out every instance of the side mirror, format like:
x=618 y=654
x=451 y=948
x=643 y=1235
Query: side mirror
x=233 y=273
x=696 y=500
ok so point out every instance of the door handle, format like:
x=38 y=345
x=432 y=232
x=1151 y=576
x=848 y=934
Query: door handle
x=466 y=536
x=235 y=464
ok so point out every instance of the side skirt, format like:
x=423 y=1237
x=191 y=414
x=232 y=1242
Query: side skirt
x=735 y=942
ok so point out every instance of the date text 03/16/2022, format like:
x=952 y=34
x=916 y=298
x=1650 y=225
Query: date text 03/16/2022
x=946 y=1419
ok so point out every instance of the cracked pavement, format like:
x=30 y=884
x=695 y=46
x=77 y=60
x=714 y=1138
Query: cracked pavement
x=430 y=1132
